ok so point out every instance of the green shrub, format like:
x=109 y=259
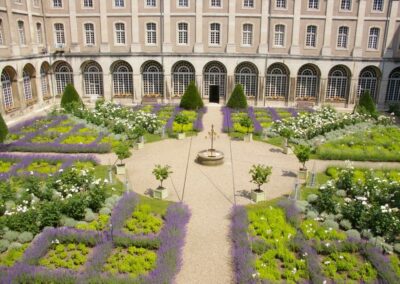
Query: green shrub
x=3 y=129
x=302 y=153
x=366 y=104
x=312 y=214
x=238 y=99
x=143 y=221
x=345 y=224
x=25 y=237
x=396 y=248
x=15 y=245
x=191 y=98
x=75 y=207
x=50 y=214
x=330 y=224
x=181 y=119
x=23 y=221
x=89 y=215
x=4 y=245
x=96 y=198
x=11 y=236
x=70 y=98
x=260 y=174
x=312 y=198
x=105 y=211
x=246 y=123
x=354 y=234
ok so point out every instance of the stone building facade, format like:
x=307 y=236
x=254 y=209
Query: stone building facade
x=281 y=51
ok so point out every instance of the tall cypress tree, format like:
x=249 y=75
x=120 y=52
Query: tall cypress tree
x=191 y=100
x=238 y=99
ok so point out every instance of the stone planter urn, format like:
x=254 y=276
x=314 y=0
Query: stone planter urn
x=248 y=137
x=181 y=136
x=160 y=193
x=120 y=169
x=257 y=195
x=302 y=174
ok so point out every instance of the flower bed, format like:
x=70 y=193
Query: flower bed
x=55 y=134
x=106 y=256
x=378 y=143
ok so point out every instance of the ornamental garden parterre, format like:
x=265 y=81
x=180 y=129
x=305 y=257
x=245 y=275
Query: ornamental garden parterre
x=65 y=217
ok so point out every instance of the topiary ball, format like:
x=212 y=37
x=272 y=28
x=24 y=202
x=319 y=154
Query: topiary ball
x=312 y=214
x=11 y=236
x=353 y=234
x=330 y=224
x=25 y=237
x=105 y=211
x=4 y=244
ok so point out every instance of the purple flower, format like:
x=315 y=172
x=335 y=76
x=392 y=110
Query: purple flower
x=227 y=124
x=256 y=123
x=198 y=123
x=123 y=209
x=274 y=115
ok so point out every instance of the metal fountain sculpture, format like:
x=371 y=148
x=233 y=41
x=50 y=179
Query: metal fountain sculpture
x=211 y=157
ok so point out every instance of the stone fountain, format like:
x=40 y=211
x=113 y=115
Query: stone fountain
x=211 y=157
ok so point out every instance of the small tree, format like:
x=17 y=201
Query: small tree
x=260 y=174
x=181 y=119
x=246 y=122
x=237 y=99
x=70 y=98
x=366 y=104
x=3 y=129
x=191 y=99
x=122 y=152
x=161 y=173
x=302 y=153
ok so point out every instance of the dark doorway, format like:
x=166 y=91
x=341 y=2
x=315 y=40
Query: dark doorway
x=214 y=94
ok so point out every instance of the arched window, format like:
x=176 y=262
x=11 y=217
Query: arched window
x=345 y=5
x=21 y=33
x=89 y=33
x=6 y=84
x=367 y=81
x=311 y=36
x=279 y=37
x=122 y=80
x=215 y=34
x=247 y=34
x=337 y=84
x=183 y=74
x=393 y=90
x=93 y=79
x=44 y=81
x=214 y=75
x=247 y=75
x=151 y=31
x=153 y=79
x=26 y=79
x=307 y=82
x=276 y=84
x=183 y=37
x=63 y=74
x=373 y=38
x=342 y=39
x=120 y=33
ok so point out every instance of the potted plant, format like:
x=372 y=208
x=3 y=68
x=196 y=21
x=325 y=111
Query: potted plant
x=181 y=120
x=161 y=173
x=139 y=136
x=259 y=176
x=122 y=152
x=286 y=133
x=302 y=153
x=247 y=123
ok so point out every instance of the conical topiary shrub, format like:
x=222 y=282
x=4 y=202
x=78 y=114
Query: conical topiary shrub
x=191 y=100
x=3 y=129
x=237 y=99
x=366 y=104
x=70 y=98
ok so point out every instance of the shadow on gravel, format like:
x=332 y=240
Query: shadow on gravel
x=288 y=174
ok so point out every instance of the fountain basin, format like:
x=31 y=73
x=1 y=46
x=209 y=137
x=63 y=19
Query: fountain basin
x=210 y=158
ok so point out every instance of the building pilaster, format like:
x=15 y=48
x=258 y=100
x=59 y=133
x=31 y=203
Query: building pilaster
x=263 y=47
x=14 y=43
x=391 y=29
x=167 y=45
x=135 y=45
x=326 y=49
x=104 y=43
x=198 y=46
x=357 y=51
x=295 y=49
x=231 y=46
x=75 y=47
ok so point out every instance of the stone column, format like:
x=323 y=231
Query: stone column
x=137 y=86
x=263 y=47
x=168 y=86
x=38 y=83
x=292 y=91
x=261 y=92
x=326 y=49
x=231 y=46
x=295 y=49
x=391 y=29
x=382 y=88
x=78 y=83
x=198 y=46
x=20 y=88
x=73 y=26
x=14 y=41
x=357 y=51
x=322 y=91
x=135 y=45
x=107 y=85
x=104 y=44
x=2 y=110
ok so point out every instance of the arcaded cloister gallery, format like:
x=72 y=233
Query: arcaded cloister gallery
x=199 y=141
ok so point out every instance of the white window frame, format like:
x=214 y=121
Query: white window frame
x=116 y=32
x=370 y=44
x=344 y=4
x=378 y=6
x=87 y=34
x=7 y=90
x=36 y=3
x=57 y=4
x=2 y=38
x=248 y=4
x=178 y=33
x=393 y=89
x=280 y=32
x=281 y=4
x=211 y=32
x=340 y=38
x=39 y=33
x=122 y=81
x=308 y=38
x=150 y=3
x=151 y=34
x=21 y=32
x=44 y=82
x=276 y=83
x=153 y=81
x=59 y=34
x=181 y=79
x=182 y=3
x=27 y=86
x=311 y=5
x=213 y=4
x=247 y=36
x=85 y=4
x=63 y=75
x=337 y=85
x=248 y=80
x=119 y=4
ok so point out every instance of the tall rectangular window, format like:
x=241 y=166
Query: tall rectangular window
x=248 y=3
x=59 y=34
x=279 y=39
x=1 y=33
x=343 y=34
x=120 y=33
x=313 y=4
x=311 y=36
x=377 y=5
x=215 y=34
x=281 y=4
x=215 y=3
x=247 y=34
x=183 y=33
x=345 y=5
x=373 y=38
x=21 y=33
x=39 y=33
x=89 y=33
x=151 y=33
